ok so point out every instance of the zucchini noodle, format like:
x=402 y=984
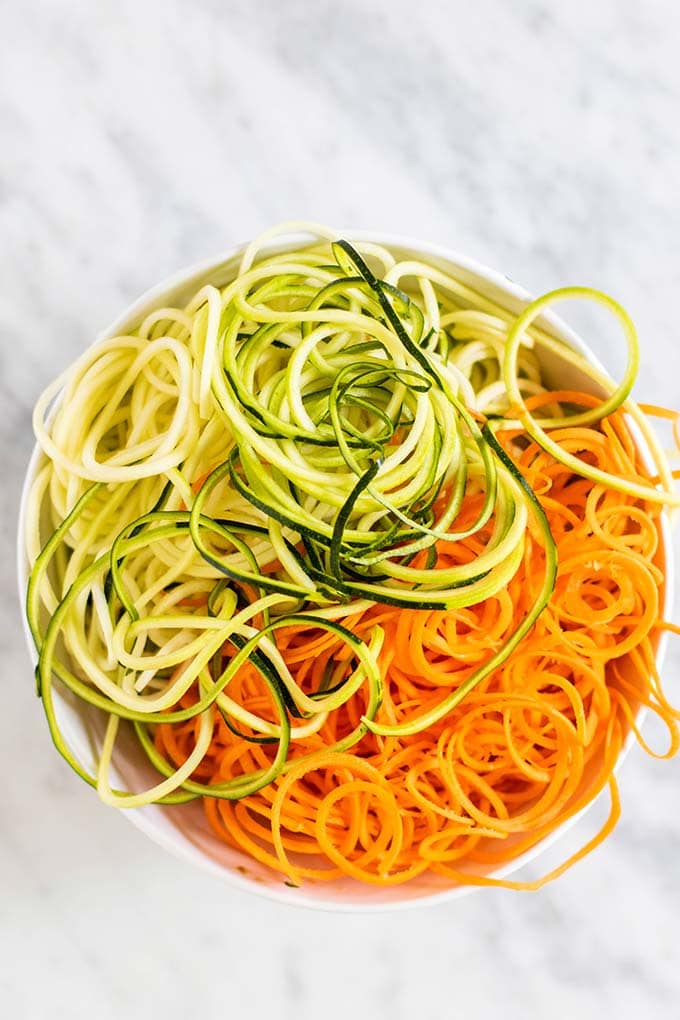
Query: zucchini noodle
x=295 y=449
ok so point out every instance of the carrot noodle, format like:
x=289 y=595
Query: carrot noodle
x=528 y=748
x=653 y=411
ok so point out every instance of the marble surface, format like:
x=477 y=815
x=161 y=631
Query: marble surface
x=137 y=137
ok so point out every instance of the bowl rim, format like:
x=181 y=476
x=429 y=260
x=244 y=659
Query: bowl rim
x=281 y=242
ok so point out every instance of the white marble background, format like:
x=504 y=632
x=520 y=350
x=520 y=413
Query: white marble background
x=139 y=136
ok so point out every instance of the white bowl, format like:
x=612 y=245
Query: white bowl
x=183 y=830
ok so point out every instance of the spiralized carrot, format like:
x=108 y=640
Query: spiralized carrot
x=529 y=747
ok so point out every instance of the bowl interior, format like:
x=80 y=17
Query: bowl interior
x=183 y=830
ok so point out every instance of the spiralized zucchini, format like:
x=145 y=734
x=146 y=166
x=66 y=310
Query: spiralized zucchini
x=281 y=450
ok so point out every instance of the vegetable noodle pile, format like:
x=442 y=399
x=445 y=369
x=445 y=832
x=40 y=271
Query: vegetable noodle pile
x=329 y=548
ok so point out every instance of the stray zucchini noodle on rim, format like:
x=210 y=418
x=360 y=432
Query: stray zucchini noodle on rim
x=325 y=544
